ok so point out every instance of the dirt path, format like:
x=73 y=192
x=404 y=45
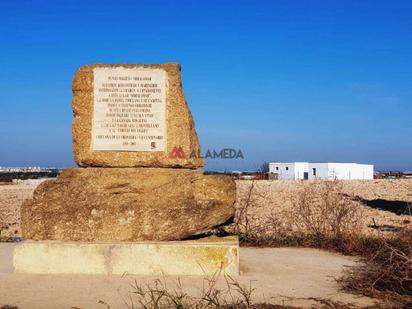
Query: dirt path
x=278 y=274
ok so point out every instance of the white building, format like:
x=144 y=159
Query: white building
x=306 y=170
x=288 y=171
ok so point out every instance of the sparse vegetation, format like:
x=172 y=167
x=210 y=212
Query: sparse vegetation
x=323 y=216
x=386 y=271
x=159 y=295
x=326 y=217
x=320 y=217
x=233 y=295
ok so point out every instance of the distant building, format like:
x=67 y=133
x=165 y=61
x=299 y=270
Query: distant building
x=311 y=171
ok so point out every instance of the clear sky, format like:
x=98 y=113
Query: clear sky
x=280 y=80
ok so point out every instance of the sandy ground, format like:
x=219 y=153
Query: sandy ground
x=280 y=275
x=11 y=197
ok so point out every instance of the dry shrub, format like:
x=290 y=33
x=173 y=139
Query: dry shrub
x=245 y=218
x=386 y=271
x=321 y=216
x=324 y=217
x=248 y=223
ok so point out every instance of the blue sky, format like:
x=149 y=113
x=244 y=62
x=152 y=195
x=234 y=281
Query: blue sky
x=280 y=80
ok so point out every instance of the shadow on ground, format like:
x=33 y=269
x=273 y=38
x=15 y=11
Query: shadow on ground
x=396 y=207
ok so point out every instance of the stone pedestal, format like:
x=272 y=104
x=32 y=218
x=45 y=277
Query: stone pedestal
x=130 y=204
x=203 y=257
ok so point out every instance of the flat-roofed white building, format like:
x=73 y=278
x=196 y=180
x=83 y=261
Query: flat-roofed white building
x=330 y=171
x=288 y=171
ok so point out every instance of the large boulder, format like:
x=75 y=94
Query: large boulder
x=128 y=204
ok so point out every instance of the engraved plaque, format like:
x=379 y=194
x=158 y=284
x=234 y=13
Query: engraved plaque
x=129 y=109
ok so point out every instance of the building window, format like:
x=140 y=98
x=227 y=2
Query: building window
x=314 y=171
x=277 y=168
x=287 y=168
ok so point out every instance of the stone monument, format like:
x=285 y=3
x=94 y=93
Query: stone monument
x=138 y=197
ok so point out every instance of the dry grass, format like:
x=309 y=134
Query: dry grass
x=159 y=295
x=386 y=271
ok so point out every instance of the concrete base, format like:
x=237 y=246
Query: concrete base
x=193 y=257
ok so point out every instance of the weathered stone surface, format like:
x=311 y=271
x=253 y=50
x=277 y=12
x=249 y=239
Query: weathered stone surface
x=180 y=130
x=204 y=257
x=128 y=204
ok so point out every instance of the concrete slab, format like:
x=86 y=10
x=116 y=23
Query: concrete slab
x=182 y=258
x=284 y=276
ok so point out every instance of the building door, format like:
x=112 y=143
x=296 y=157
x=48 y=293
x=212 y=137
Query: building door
x=306 y=175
